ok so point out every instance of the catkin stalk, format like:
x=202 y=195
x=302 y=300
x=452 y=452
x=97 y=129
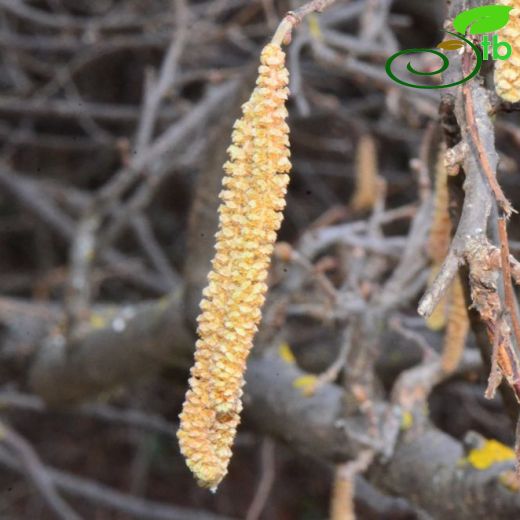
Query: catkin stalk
x=507 y=72
x=252 y=200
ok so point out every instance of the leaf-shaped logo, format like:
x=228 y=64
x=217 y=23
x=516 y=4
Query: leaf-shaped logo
x=450 y=45
x=480 y=20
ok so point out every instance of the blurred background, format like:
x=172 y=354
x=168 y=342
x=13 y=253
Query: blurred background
x=115 y=116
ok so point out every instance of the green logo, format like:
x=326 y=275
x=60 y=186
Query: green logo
x=476 y=21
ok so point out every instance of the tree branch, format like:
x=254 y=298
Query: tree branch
x=105 y=496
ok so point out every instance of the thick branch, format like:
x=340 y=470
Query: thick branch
x=136 y=342
x=273 y=406
x=425 y=467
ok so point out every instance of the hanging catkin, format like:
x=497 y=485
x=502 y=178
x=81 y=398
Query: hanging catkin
x=457 y=328
x=440 y=236
x=253 y=197
x=507 y=72
x=367 y=175
x=451 y=312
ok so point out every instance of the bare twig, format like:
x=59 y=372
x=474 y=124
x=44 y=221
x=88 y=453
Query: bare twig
x=66 y=109
x=110 y=193
x=102 y=495
x=156 y=92
x=27 y=191
x=163 y=146
x=154 y=251
x=107 y=413
x=342 y=503
x=294 y=18
x=267 y=477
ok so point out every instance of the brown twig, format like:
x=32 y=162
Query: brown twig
x=470 y=245
x=267 y=478
x=110 y=193
x=36 y=472
x=294 y=18
x=509 y=294
x=342 y=502
x=109 y=414
x=488 y=170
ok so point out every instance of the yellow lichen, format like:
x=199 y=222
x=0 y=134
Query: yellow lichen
x=285 y=353
x=314 y=27
x=439 y=238
x=507 y=72
x=489 y=453
x=253 y=198
x=406 y=420
x=307 y=384
x=97 y=321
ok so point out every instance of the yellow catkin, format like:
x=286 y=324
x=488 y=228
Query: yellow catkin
x=451 y=312
x=342 y=502
x=456 y=329
x=252 y=200
x=440 y=236
x=507 y=72
x=437 y=319
x=440 y=231
x=367 y=175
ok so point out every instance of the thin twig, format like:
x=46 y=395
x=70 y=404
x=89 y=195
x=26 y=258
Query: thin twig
x=154 y=251
x=488 y=170
x=267 y=477
x=110 y=414
x=294 y=18
x=105 y=496
x=168 y=75
x=342 y=503
x=103 y=202
x=37 y=472
x=509 y=294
